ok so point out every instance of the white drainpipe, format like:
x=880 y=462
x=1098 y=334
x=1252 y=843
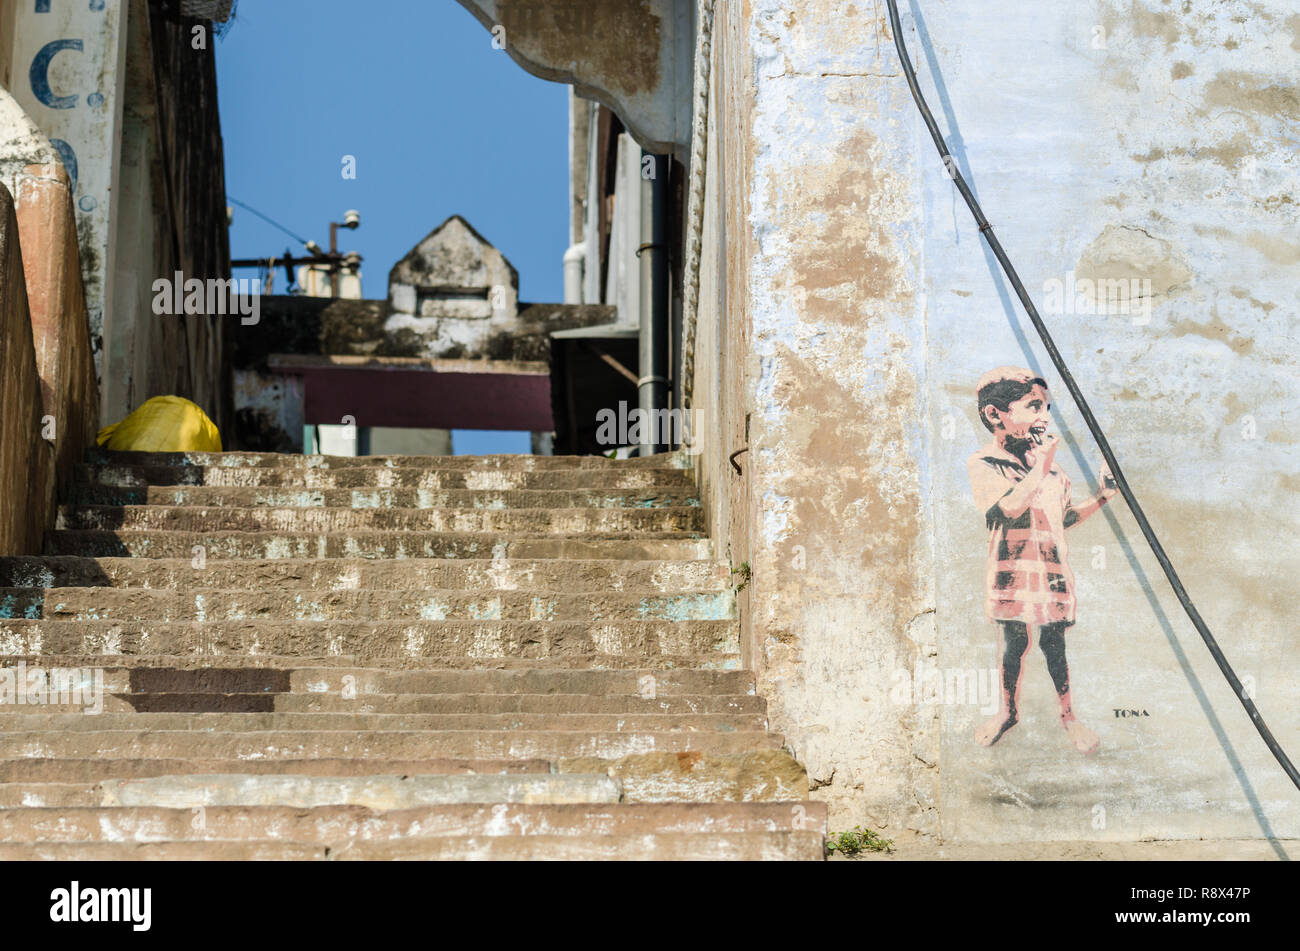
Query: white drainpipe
x=574 y=260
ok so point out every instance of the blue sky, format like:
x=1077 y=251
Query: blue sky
x=440 y=123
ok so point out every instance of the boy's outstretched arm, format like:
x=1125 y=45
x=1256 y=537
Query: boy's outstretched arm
x=1109 y=489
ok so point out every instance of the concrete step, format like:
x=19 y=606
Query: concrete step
x=345 y=663
x=429 y=477
x=213 y=496
x=222 y=546
x=277 y=460
x=373 y=791
x=161 y=852
x=567 y=522
x=276 y=674
x=442 y=640
x=385 y=658
x=307 y=604
x=651 y=847
x=755 y=775
x=413 y=704
x=570 y=575
x=48 y=795
x=716 y=847
x=373 y=744
x=33 y=719
x=339 y=826
x=31 y=774
x=759 y=775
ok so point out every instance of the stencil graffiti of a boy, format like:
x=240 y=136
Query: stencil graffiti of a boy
x=1025 y=498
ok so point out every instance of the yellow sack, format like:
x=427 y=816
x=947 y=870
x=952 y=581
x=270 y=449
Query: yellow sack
x=163 y=424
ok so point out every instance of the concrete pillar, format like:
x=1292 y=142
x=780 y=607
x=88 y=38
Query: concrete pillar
x=26 y=457
x=47 y=227
x=811 y=358
x=68 y=65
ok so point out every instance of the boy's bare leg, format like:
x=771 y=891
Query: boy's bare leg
x=1052 y=639
x=1015 y=644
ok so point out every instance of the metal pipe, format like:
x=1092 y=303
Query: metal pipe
x=574 y=260
x=334 y=253
x=652 y=388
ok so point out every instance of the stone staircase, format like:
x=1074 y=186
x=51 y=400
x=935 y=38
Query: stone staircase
x=305 y=657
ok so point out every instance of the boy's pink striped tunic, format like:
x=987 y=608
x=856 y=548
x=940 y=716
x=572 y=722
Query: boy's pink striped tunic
x=1029 y=576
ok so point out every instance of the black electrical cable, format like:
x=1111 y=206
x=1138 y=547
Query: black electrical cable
x=301 y=240
x=986 y=230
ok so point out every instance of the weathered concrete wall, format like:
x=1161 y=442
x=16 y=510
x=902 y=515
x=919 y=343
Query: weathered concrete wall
x=843 y=266
x=136 y=353
x=26 y=458
x=580 y=111
x=187 y=197
x=722 y=353
x=47 y=226
x=268 y=412
x=634 y=56
x=623 y=272
x=126 y=94
x=8 y=11
x=1151 y=143
x=31 y=170
x=67 y=71
x=827 y=299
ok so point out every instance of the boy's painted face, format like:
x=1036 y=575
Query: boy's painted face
x=1027 y=418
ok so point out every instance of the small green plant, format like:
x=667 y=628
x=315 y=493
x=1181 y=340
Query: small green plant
x=746 y=575
x=858 y=841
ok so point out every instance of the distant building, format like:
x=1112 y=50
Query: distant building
x=451 y=346
x=453 y=290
